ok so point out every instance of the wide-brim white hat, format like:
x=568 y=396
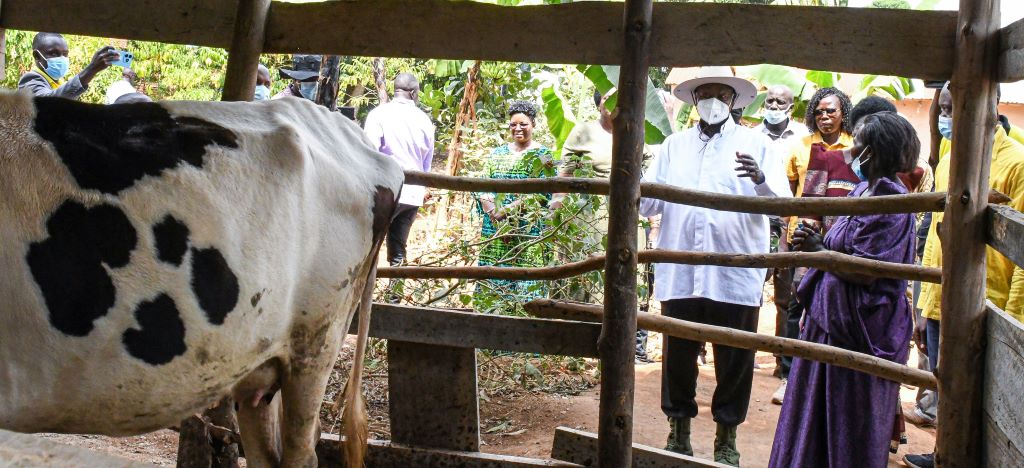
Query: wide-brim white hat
x=746 y=92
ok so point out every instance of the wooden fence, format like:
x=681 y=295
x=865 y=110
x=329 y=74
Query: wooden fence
x=967 y=47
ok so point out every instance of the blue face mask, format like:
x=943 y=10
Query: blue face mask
x=308 y=90
x=57 y=67
x=262 y=93
x=946 y=127
x=857 y=163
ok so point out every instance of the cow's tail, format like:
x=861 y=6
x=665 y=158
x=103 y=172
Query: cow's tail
x=355 y=422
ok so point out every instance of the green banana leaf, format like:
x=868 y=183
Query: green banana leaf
x=657 y=126
x=559 y=116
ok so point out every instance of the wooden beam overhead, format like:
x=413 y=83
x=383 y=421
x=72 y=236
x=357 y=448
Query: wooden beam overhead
x=863 y=40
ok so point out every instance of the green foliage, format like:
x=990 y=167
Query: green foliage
x=559 y=117
x=657 y=126
x=894 y=4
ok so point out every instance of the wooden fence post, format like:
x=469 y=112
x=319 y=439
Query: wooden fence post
x=961 y=363
x=618 y=332
x=246 y=47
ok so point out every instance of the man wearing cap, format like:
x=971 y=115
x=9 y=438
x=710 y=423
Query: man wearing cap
x=717 y=156
x=304 y=74
x=404 y=132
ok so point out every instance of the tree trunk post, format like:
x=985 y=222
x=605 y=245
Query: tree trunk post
x=961 y=366
x=246 y=46
x=616 y=344
x=380 y=80
x=327 y=87
x=3 y=53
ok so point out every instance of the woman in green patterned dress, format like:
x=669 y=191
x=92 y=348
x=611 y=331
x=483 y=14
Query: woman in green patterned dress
x=518 y=231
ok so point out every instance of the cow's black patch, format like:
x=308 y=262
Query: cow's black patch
x=171 y=240
x=68 y=266
x=215 y=285
x=109 y=148
x=384 y=205
x=161 y=333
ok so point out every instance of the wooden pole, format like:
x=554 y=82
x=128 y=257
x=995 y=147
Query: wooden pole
x=547 y=308
x=962 y=345
x=246 y=47
x=826 y=260
x=616 y=344
x=887 y=204
x=327 y=87
x=466 y=113
x=379 y=80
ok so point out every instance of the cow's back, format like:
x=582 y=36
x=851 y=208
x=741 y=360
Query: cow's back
x=155 y=254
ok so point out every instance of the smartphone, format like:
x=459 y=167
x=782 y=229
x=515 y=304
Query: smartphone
x=124 y=60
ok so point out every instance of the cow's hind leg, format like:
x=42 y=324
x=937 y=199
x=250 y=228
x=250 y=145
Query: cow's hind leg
x=261 y=432
x=302 y=393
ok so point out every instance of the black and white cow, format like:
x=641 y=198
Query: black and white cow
x=155 y=258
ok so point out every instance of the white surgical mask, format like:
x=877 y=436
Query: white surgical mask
x=946 y=127
x=858 y=162
x=262 y=93
x=712 y=110
x=308 y=89
x=775 y=116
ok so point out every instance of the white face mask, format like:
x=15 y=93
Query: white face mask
x=712 y=110
x=776 y=116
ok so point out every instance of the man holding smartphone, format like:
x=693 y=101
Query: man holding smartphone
x=50 y=53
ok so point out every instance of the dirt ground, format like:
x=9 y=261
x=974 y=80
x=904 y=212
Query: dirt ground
x=529 y=419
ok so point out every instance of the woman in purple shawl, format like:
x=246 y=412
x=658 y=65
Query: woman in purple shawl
x=833 y=416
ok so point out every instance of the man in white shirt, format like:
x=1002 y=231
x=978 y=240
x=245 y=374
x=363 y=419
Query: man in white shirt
x=715 y=156
x=403 y=131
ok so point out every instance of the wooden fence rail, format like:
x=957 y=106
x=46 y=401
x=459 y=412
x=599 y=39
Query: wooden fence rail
x=887 y=204
x=548 y=308
x=918 y=43
x=827 y=261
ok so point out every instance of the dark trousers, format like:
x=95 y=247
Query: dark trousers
x=932 y=330
x=734 y=367
x=793 y=313
x=398 y=232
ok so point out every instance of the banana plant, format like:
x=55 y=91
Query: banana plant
x=657 y=126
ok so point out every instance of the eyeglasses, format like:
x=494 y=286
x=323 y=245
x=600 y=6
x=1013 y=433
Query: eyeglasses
x=827 y=110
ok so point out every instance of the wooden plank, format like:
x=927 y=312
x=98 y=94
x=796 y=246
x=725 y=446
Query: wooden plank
x=246 y=46
x=1006 y=232
x=384 y=454
x=432 y=396
x=886 y=204
x=580 y=447
x=962 y=345
x=1004 y=384
x=741 y=339
x=26 y=450
x=883 y=41
x=473 y=330
x=1011 y=55
x=198 y=22
x=617 y=344
x=826 y=260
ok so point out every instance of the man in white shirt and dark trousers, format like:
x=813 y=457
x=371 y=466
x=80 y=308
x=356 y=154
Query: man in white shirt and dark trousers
x=401 y=130
x=715 y=156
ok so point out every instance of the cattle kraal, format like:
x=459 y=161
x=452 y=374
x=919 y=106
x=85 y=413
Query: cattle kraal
x=157 y=257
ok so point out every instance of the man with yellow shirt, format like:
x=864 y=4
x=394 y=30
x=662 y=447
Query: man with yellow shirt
x=1004 y=280
x=827 y=120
